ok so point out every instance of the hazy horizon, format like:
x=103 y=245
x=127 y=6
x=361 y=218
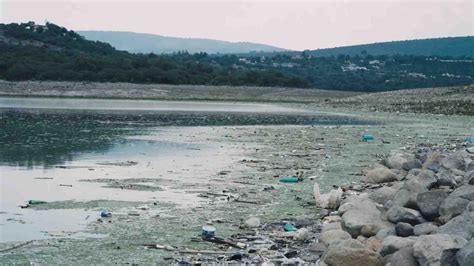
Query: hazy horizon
x=295 y=26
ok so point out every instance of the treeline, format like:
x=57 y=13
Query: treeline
x=50 y=52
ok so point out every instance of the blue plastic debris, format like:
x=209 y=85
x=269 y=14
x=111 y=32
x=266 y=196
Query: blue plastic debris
x=289 y=227
x=105 y=214
x=368 y=137
x=208 y=231
x=470 y=139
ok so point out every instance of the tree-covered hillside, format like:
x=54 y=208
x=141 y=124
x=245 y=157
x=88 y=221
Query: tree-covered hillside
x=50 y=52
x=453 y=46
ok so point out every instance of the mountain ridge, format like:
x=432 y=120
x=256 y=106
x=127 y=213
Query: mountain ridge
x=160 y=44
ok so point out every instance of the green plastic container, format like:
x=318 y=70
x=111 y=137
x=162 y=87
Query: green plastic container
x=289 y=228
x=289 y=179
x=368 y=137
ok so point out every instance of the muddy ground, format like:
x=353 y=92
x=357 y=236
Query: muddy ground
x=248 y=187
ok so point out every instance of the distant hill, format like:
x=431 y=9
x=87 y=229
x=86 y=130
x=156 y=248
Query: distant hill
x=150 y=43
x=452 y=46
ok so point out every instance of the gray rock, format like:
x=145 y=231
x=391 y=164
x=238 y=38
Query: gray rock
x=433 y=162
x=252 y=222
x=360 y=213
x=462 y=225
x=302 y=234
x=470 y=207
x=427 y=178
x=380 y=175
x=395 y=161
x=412 y=164
x=438 y=249
x=382 y=195
x=425 y=229
x=471 y=181
x=333 y=236
x=351 y=252
x=465 y=256
x=428 y=203
x=385 y=232
x=369 y=230
x=404 y=229
x=331 y=226
x=446 y=178
x=398 y=214
x=392 y=244
x=317 y=247
x=403 y=257
x=454 y=161
x=457 y=201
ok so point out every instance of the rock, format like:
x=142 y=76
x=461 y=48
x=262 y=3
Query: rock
x=385 y=232
x=317 y=247
x=382 y=195
x=462 y=225
x=392 y=244
x=362 y=239
x=404 y=229
x=445 y=178
x=331 y=226
x=438 y=249
x=406 y=196
x=373 y=243
x=369 y=230
x=395 y=161
x=412 y=164
x=457 y=201
x=470 y=207
x=380 y=175
x=398 y=214
x=465 y=256
x=402 y=257
x=252 y=222
x=427 y=178
x=454 y=161
x=433 y=162
x=351 y=252
x=471 y=181
x=428 y=203
x=323 y=213
x=333 y=236
x=332 y=219
x=424 y=229
x=361 y=213
x=302 y=234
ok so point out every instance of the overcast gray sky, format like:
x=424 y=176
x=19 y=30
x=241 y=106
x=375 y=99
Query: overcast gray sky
x=287 y=24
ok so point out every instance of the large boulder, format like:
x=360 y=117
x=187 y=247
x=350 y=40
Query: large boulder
x=351 y=252
x=380 y=175
x=382 y=195
x=454 y=161
x=359 y=213
x=392 y=244
x=457 y=201
x=403 y=257
x=465 y=256
x=406 y=196
x=333 y=236
x=398 y=214
x=427 y=178
x=395 y=161
x=438 y=249
x=428 y=203
x=462 y=225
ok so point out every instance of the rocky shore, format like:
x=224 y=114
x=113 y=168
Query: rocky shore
x=418 y=209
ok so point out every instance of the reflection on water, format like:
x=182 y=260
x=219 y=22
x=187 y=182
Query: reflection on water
x=48 y=137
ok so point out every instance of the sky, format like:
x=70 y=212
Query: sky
x=287 y=24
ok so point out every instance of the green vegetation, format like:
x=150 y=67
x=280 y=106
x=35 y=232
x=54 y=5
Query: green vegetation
x=50 y=52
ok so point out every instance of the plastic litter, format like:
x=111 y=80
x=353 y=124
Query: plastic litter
x=289 y=227
x=470 y=139
x=105 y=214
x=368 y=137
x=35 y=202
x=289 y=179
x=208 y=231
